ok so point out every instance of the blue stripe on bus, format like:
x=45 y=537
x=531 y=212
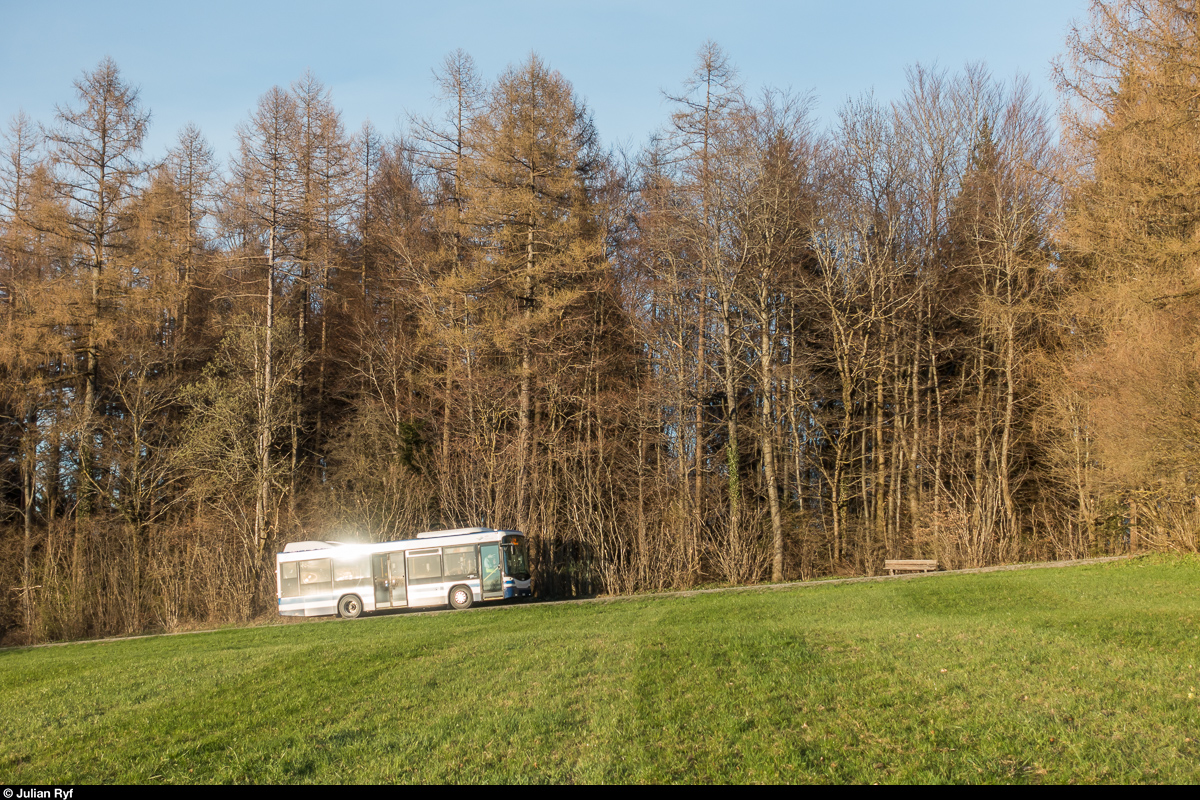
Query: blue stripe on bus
x=312 y=598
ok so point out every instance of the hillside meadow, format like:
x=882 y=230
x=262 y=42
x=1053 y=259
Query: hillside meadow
x=1080 y=674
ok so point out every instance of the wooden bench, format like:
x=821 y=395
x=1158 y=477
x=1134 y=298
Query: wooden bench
x=910 y=565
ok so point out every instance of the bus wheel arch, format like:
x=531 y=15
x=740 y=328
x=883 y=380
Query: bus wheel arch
x=350 y=607
x=461 y=596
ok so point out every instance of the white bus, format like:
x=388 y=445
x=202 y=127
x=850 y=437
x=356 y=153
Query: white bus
x=458 y=568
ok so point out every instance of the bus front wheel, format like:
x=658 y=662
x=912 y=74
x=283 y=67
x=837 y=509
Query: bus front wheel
x=350 y=607
x=461 y=597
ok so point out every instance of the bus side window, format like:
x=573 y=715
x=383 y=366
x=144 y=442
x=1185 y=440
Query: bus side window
x=459 y=562
x=424 y=566
x=351 y=570
x=315 y=577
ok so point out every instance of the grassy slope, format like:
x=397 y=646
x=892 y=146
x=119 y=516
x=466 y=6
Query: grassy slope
x=1079 y=674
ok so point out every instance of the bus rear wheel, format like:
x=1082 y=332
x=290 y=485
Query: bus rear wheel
x=350 y=607
x=461 y=597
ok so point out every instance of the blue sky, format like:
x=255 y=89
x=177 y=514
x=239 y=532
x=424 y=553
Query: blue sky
x=209 y=62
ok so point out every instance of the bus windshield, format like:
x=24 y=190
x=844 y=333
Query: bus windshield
x=516 y=559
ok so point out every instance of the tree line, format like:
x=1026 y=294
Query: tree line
x=752 y=350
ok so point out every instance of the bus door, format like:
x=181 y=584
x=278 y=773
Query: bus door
x=491 y=579
x=396 y=579
x=383 y=594
x=387 y=570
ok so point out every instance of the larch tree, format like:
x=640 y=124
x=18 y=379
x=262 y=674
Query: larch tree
x=445 y=149
x=96 y=150
x=368 y=153
x=529 y=195
x=191 y=165
x=1133 y=229
x=24 y=362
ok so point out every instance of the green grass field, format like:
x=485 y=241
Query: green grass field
x=1081 y=674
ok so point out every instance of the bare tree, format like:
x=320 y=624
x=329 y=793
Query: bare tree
x=265 y=176
x=774 y=220
x=698 y=128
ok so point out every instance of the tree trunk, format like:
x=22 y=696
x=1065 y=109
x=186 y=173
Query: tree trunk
x=768 y=426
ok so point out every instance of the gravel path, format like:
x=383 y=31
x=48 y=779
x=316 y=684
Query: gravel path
x=759 y=587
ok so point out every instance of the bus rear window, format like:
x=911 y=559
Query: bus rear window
x=289 y=579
